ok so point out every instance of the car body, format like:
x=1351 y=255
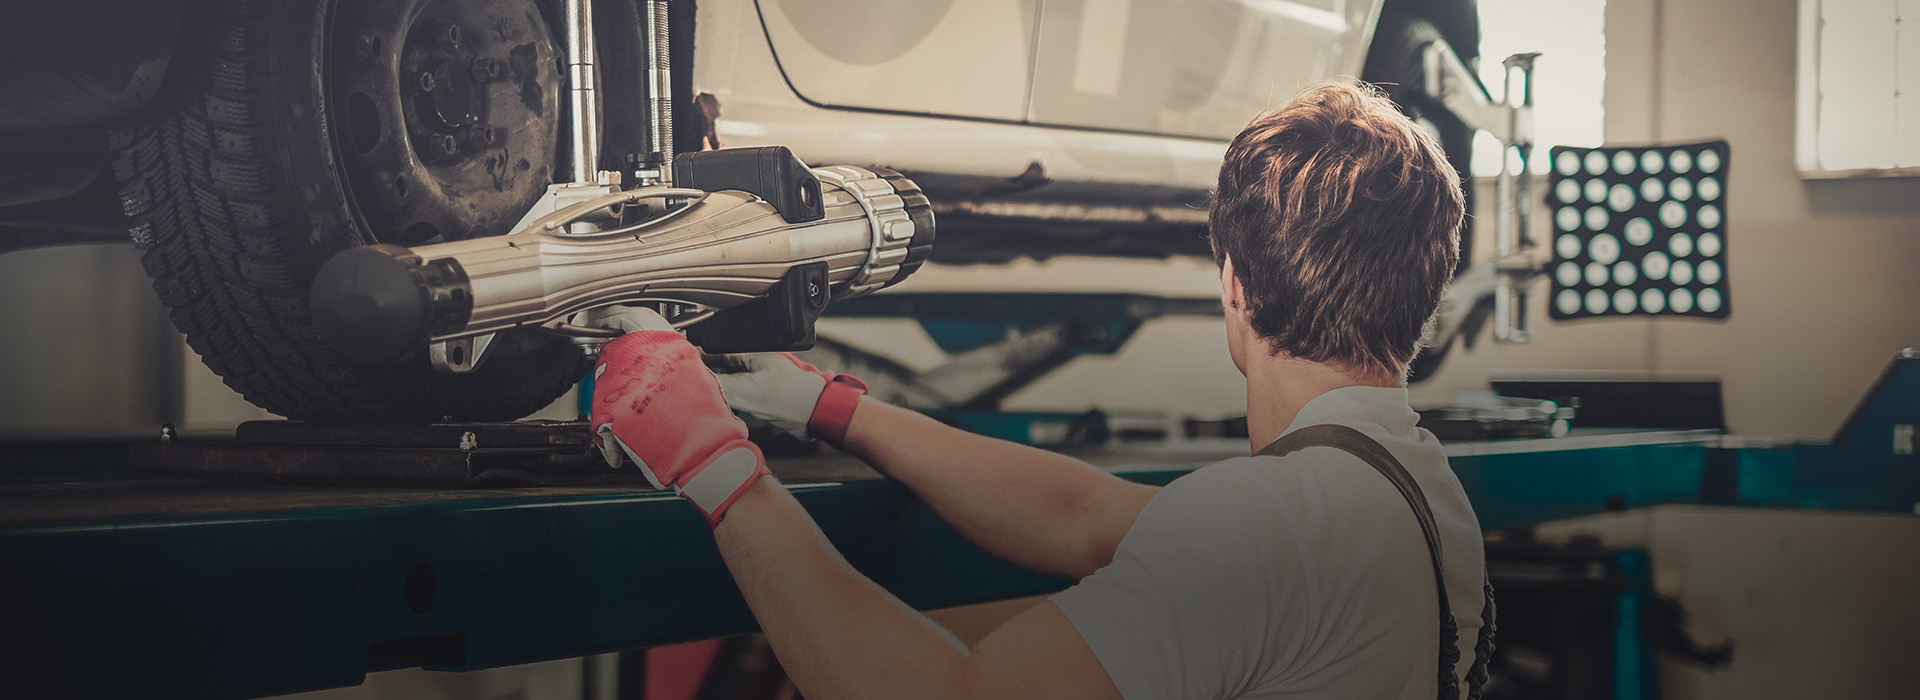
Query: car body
x=1039 y=128
x=1027 y=115
x=241 y=145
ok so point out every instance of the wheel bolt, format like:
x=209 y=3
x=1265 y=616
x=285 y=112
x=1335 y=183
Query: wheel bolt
x=482 y=134
x=425 y=79
x=447 y=35
x=485 y=68
x=448 y=145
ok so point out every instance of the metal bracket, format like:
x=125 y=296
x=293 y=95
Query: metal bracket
x=1505 y=278
x=460 y=355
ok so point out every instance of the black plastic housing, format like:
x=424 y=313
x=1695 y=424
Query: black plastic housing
x=782 y=321
x=771 y=173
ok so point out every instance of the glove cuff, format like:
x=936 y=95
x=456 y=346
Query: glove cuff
x=717 y=484
x=834 y=411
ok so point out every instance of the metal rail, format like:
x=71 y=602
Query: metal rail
x=583 y=102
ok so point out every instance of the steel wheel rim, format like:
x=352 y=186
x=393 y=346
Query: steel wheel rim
x=447 y=115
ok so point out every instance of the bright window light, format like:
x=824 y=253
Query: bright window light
x=1859 y=86
x=1569 y=80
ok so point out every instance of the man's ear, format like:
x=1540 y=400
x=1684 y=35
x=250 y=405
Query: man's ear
x=1233 y=297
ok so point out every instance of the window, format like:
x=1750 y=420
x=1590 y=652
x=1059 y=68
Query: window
x=1859 y=88
x=1569 y=80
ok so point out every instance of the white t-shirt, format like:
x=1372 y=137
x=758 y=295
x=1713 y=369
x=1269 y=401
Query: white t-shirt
x=1302 y=576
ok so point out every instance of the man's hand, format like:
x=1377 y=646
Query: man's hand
x=655 y=403
x=1040 y=510
x=794 y=396
x=839 y=634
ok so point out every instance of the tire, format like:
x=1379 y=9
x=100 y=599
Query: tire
x=238 y=185
x=1394 y=64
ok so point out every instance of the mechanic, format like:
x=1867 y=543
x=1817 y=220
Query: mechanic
x=1335 y=228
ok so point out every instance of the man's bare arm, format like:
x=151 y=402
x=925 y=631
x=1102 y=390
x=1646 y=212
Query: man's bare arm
x=1040 y=510
x=840 y=636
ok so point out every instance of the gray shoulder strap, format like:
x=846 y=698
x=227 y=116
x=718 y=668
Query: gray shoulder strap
x=1356 y=443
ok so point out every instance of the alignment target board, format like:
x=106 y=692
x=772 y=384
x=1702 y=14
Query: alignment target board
x=1639 y=231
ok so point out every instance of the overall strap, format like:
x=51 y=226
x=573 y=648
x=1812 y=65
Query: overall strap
x=1355 y=443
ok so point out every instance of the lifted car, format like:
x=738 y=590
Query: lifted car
x=244 y=143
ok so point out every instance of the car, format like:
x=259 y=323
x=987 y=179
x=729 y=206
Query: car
x=242 y=143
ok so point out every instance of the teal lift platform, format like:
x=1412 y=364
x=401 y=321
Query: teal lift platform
x=115 y=583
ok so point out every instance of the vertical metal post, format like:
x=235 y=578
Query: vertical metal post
x=1509 y=308
x=1514 y=190
x=583 y=102
x=1522 y=130
x=1503 y=223
x=659 y=156
x=1510 y=312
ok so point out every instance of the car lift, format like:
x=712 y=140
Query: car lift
x=119 y=580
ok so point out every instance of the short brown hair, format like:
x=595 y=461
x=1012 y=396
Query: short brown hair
x=1342 y=218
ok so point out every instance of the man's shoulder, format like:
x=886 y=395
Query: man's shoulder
x=1419 y=453
x=1242 y=496
x=1310 y=469
x=1226 y=495
x=1312 y=482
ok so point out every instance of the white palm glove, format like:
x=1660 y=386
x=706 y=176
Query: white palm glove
x=794 y=396
x=626 y=319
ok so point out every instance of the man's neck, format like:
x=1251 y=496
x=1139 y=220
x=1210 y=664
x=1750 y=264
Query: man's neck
x=1278 y=386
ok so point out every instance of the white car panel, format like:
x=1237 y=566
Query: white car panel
x=1197 y=68
x=969 y=59
x=735 y=63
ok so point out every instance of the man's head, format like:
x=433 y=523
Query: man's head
x=1336 y=226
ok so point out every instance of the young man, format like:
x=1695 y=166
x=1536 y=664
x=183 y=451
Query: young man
x=1335 y=229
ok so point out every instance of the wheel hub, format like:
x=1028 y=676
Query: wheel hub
x=451 y=104
x=450 y=114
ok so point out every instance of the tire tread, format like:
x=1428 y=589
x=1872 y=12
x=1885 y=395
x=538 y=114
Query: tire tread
x=227 y=240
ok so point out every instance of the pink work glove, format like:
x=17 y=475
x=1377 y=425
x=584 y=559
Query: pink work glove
x=656 y=404
x=794 y=396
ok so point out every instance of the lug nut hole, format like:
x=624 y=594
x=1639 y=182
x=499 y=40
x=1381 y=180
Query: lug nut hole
x=363 y=122
x=420 y=232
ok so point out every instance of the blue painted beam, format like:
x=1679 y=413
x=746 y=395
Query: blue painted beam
x=239 y=604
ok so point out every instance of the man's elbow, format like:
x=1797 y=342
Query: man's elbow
x=1093 y=556
x=1103 y=523
x=978 y=680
